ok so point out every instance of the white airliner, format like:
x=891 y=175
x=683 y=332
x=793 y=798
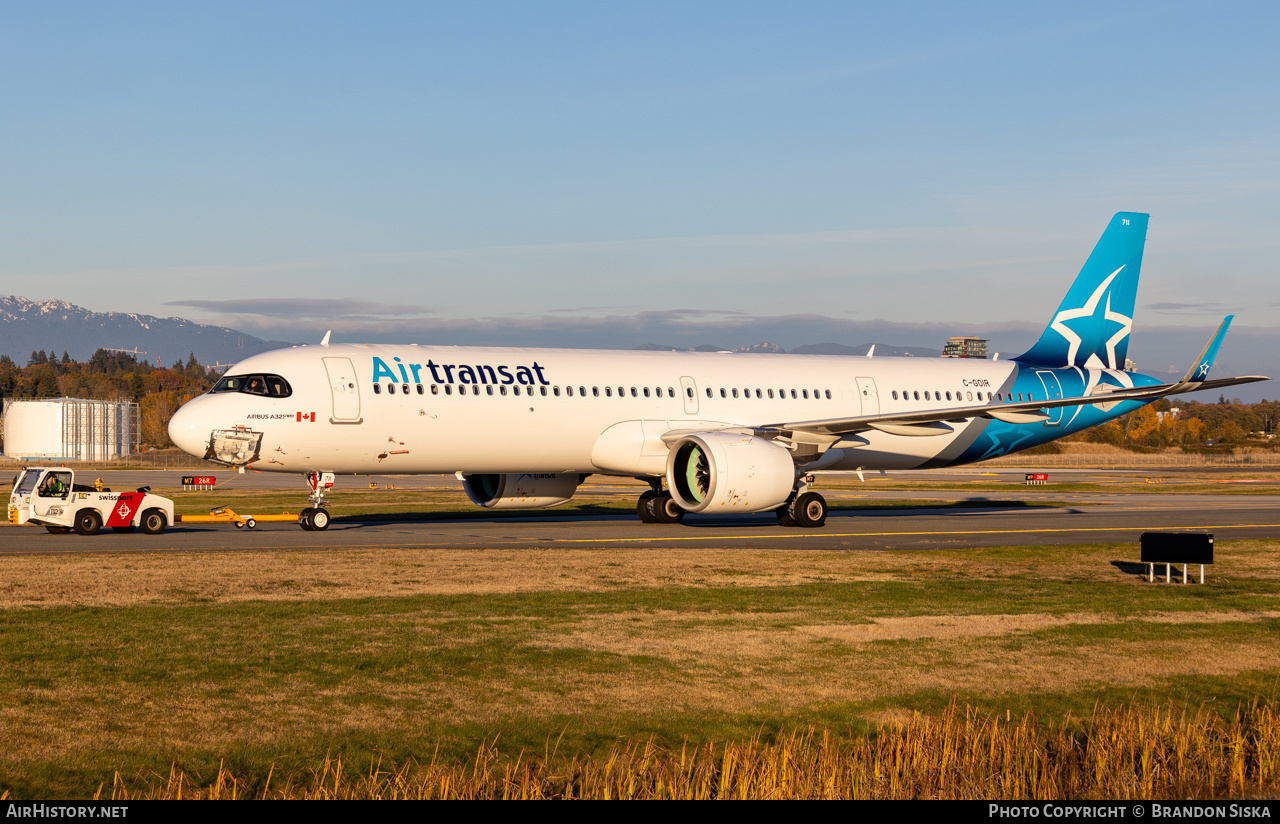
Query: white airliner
x=711 y=433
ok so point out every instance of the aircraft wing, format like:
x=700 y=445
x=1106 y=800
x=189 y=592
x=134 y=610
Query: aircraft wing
x=934 y=421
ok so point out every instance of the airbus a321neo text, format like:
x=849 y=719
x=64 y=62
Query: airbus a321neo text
x=710 y=432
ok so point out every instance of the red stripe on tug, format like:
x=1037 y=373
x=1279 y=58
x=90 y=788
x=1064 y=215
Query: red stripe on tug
x=122 y=513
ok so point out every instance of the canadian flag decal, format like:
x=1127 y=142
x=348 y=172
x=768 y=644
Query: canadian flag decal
x=306 y=416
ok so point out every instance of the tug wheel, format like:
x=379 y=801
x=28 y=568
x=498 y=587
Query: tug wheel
x=88 y=522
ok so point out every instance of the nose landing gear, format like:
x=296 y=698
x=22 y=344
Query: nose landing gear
x=316 y=516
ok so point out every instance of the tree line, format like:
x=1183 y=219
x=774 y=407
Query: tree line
x=110 y=376
x=1193 y=426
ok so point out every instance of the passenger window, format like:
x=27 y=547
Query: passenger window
x=435 y=389
x=646 y=391
x=543 y=390
x=735 y=393
x=555 y=390
x=502 y=390
x=633 y=392
x=608 y=391
x=377 y=389
x=723 y=394
x=448 y=390
x=488 y=390
x=421 y=391
x=671 y=392
x=708 y=391
x=595 y=391
x=582 y=390
x=568 y=390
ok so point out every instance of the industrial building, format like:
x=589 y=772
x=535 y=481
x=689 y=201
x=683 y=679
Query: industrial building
x=70 y=429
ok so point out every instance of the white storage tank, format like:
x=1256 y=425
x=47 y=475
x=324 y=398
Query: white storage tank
x=70 y=429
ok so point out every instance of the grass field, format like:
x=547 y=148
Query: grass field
x=270 y=668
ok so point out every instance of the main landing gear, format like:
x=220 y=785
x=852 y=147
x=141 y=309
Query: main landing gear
x=804 y=508
x=316 y=516
x=657 y=507
x=808 y=510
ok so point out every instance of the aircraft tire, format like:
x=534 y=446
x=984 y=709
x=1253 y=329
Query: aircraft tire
x=319 y=519
x=304 y=518
x=88 y=522
x=152 y=522
x=810 y=510
x=644 y=507
x=785 y=518
x=666 y=510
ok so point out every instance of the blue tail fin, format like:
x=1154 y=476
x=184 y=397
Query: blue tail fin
x=1091 y=327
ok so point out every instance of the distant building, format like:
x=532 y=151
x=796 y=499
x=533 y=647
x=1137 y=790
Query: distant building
x=965 y=347
x=70 y=429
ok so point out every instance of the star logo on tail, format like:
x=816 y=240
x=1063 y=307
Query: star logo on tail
x=1090 y=313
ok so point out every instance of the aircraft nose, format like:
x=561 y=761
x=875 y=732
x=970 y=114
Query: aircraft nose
x=189 y=429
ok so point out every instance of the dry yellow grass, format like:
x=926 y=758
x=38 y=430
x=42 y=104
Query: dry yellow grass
x=961 y=754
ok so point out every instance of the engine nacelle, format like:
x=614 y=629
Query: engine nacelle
x=525 y=491
x=721 y=472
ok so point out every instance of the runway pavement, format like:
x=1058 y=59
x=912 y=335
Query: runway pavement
x=1003 y=521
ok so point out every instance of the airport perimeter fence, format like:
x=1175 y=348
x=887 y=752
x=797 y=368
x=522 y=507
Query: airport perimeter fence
x=154 y=459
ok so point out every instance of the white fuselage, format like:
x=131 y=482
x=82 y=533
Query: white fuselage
x=491 y=410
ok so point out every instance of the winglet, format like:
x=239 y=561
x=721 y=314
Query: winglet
x=1200 y=369
x=325 y=342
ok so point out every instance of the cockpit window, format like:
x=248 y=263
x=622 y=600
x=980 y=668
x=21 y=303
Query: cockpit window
x=272 y=385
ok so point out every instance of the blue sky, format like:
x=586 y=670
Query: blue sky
x=729 y=171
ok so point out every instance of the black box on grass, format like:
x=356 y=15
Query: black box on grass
x=1177 y=548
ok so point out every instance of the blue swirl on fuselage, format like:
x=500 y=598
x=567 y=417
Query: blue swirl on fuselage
x=1000 y=438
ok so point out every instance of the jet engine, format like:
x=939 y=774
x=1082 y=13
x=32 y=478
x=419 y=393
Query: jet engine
x=721 y=472
x=526 y=491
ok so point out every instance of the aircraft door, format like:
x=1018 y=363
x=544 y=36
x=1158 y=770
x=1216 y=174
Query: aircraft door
x=345 y=389
x=870 y=398
x=1052 y=392
x=689 y=391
